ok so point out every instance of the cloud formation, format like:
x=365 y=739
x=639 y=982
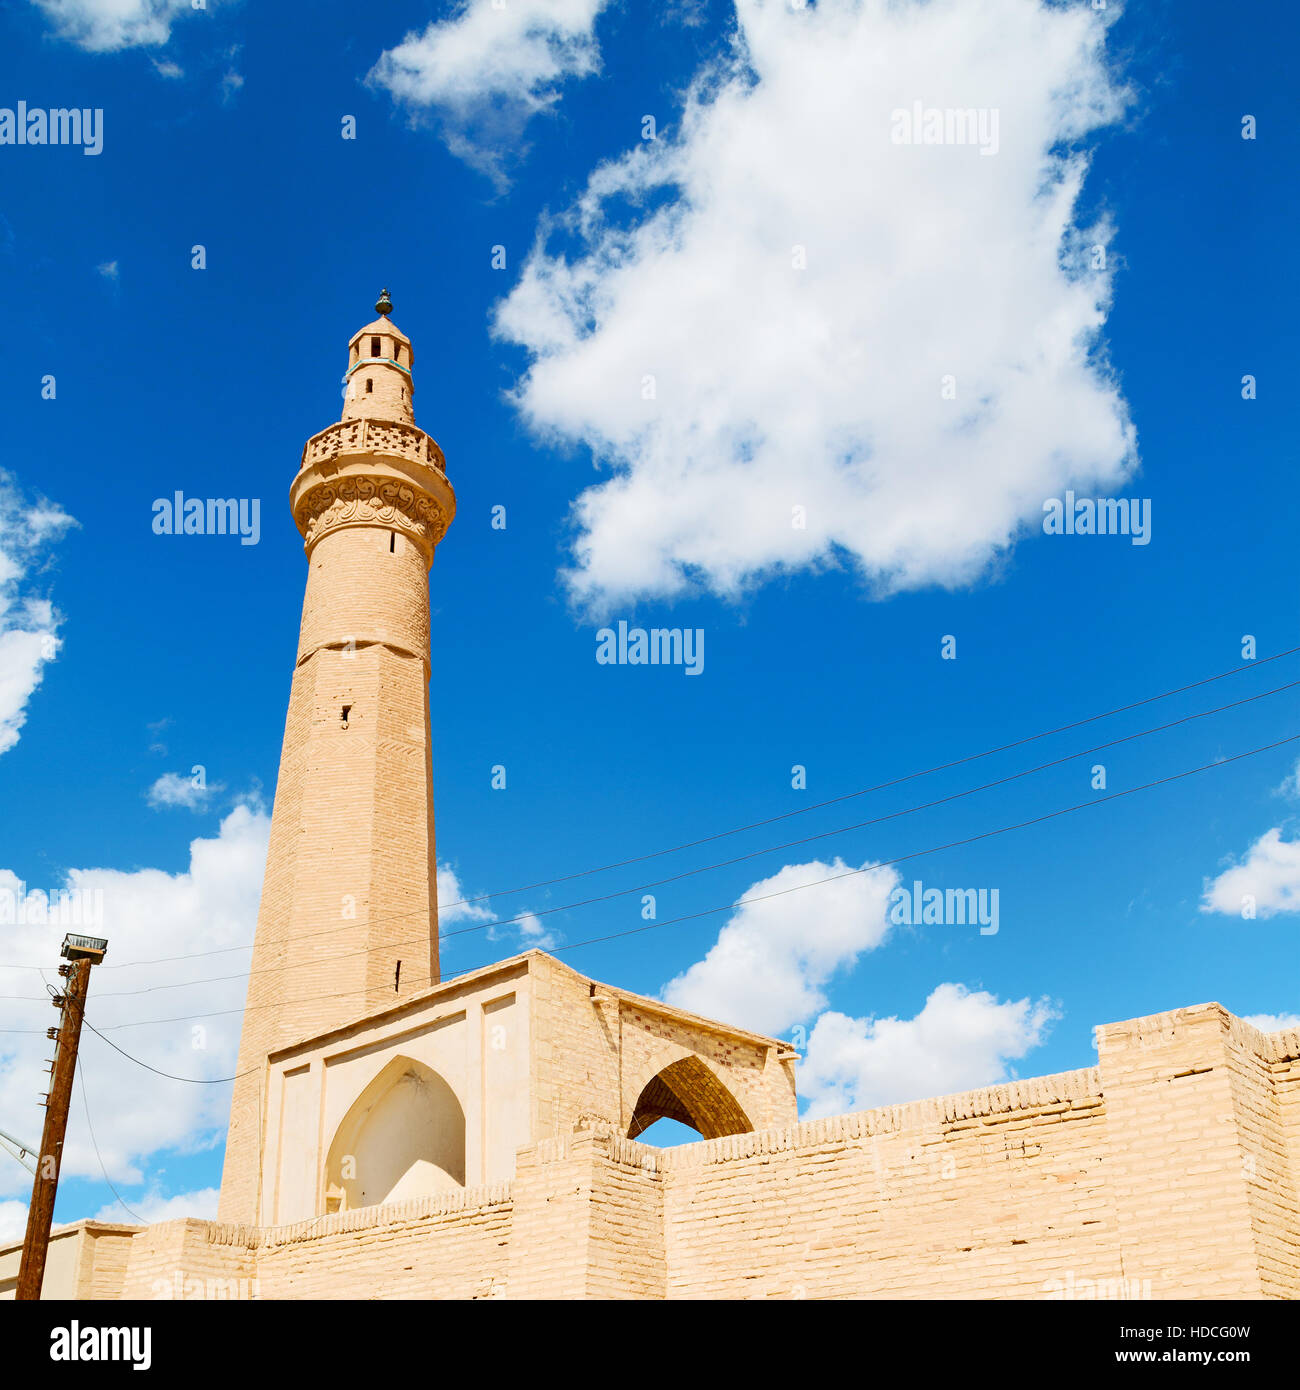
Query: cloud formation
x=154 y=1206
x=795 y=342
x=961 y=1039
x=181 y=921
x=1272 y=1023
x=453 y=894
x=174 y=789
x=13 y=1219
x=165 y=931
x=455 y=912
x=771 y=962
x=772 y=965
x=104 y=26
x=487 y=71
x=1265 y=883
x=29 y=623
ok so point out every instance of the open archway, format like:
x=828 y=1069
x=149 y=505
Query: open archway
x=403 y=1137
x=688 y=1092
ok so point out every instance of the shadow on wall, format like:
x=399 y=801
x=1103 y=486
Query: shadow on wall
x=403 y=1137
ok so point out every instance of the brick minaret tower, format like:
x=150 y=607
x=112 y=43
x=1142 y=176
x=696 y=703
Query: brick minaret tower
x=349 y=914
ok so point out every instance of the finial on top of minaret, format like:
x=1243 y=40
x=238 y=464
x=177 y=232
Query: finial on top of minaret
x=383 y=305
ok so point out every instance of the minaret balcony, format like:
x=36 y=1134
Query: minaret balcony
x=368 y=472
x=392 y=438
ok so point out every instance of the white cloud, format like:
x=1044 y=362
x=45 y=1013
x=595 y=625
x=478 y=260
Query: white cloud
x=961 y=1039
x=13 y=1219
x=1269 y=874
x=154 y=1206
x=533 y=936
x=1290 y=785
x=166 y=68
x=457 y=909
x=103 y=26
x=691 y=14
x=528 y=929
x=1273 y=1023
x=109 y=271
x=779 y=388
x=772 y=960
x=146 y=915
x=29 y=623
x=176 y=789
x=486 y=71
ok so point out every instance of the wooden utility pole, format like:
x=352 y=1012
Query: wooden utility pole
x=82 y=952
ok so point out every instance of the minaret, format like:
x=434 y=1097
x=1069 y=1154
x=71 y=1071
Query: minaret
x=349 y=914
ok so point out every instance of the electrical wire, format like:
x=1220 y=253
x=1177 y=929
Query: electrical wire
x=81 y=1077
x=721 y=864
x=867 y=868
x=193 y=1080
x=786 y=815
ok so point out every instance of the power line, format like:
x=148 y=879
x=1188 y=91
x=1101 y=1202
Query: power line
x=882 y=786
x=727 y=907
x=81 y=1076
x=727 y=863
x=193 y=1080
x=936 y=849
x=786 y=815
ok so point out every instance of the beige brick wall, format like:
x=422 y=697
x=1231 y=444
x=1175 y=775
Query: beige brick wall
x=87 y=1259
x=551 y=1221
x=575 y=1050
x=595 y=1048
x=455 y=1246
x=182 y=1260
x=628 y=1257
x=588 y=1220
x=1284 y=1072
x=991 y=1194
x=1167 y=1171
x=1254 y=1062
x=107 y=1253
x=1176 y=1158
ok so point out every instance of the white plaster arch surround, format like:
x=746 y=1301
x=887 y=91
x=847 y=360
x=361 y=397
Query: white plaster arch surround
x=403 y=1136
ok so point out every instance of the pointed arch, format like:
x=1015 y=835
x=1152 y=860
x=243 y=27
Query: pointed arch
x=687 y=1091
x=404 y=1136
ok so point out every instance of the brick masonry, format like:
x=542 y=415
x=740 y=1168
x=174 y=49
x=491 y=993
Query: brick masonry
x=1167 y=1171
x=349 y=915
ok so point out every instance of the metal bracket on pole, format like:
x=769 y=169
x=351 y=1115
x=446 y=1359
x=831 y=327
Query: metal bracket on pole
x=17 y=1149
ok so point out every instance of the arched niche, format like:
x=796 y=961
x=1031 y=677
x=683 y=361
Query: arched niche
x=688 y=1092
x=403 y=1137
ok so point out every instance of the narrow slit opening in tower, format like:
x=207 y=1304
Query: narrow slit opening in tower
x=370 y=385
x=374 y=347
x=347 y=709
x=392 y=542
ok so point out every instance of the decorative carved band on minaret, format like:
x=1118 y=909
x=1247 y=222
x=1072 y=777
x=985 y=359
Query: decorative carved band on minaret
x=380 y=436
x=373 y=472
x=370 y=499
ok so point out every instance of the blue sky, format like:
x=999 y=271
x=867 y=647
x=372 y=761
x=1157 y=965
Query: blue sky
x=775 y=386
